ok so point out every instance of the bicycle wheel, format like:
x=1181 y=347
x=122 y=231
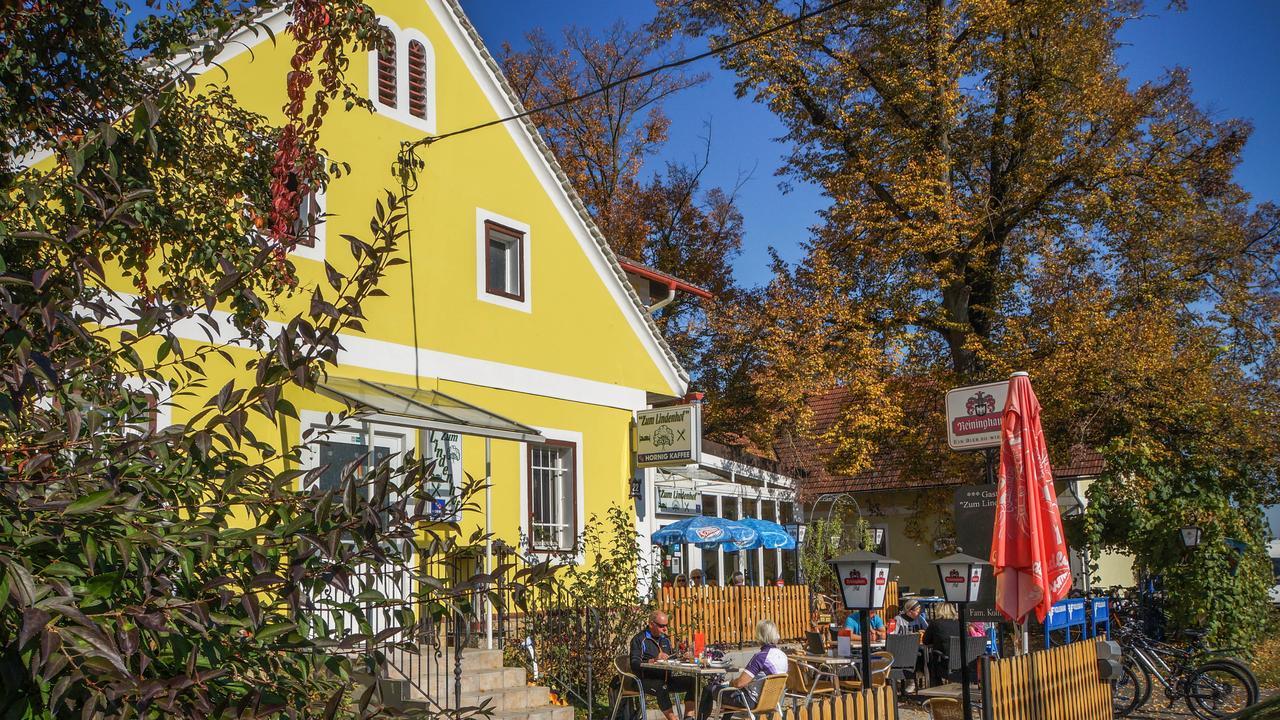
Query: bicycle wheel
x=1144 y=679
x=1126 y=692
x=1218 y=689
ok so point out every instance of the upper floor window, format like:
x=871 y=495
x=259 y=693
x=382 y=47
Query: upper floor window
x=502 y=261
x=402 y=77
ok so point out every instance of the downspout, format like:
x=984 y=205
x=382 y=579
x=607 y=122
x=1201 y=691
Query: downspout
x=671 y=295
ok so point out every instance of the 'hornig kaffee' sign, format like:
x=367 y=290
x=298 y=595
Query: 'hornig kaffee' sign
x=668 y=436
x=973 y=415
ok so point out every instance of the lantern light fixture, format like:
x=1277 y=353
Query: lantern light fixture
x=1190 y=535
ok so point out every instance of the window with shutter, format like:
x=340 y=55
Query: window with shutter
x=417 y=80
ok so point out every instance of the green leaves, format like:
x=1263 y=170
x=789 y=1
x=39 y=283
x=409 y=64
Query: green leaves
x=89 y=502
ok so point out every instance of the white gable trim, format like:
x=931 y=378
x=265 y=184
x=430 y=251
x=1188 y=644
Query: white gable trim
x=485 y=71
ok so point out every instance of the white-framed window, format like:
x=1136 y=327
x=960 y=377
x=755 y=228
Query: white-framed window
x=503 y=261
x=156 y=411
x=402 y=77
x=309 y=228
x=552 y=484
x=552 y=501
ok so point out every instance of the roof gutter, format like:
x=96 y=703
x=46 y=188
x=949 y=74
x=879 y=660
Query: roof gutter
x=672 y=283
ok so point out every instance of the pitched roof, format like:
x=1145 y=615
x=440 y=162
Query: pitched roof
x=276 y=18
x=562 y=178
x=896 y=468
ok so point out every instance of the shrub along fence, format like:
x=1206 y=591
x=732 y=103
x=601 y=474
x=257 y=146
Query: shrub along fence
x=1057 y=684
x=730 y=614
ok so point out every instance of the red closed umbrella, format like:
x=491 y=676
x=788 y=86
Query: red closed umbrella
x=1028 y=550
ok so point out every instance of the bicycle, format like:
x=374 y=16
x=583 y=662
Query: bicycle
x=1212 y=688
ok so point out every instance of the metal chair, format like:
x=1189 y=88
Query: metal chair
x=628 y=685
x=769 y=700
x=881 y=664
x=944 y=709
x=805 y=680
x=905 y=650
x=975 y=648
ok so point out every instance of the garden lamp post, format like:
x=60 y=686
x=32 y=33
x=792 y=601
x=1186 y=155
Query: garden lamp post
x=961 y=577
x=863 y=576
x=1190 y=535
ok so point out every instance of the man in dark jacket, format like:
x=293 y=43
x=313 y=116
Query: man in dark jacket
x=652 y=644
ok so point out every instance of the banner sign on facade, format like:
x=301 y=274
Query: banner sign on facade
x=669 y=436
x=677 y=499
x=975 y=514
x=973 y=415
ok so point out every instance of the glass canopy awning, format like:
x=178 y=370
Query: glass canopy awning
x=425 y=409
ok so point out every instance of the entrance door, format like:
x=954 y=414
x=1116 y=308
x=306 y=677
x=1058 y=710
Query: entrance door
x=336 y=450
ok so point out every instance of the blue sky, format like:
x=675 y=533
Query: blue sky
x=1229 y=47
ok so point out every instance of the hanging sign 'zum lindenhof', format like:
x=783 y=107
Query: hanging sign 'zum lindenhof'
x=973 y=415
x=669 y=436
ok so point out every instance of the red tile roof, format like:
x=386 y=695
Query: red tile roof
x=896 y=468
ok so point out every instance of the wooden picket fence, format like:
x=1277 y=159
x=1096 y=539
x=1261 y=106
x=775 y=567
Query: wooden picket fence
x=874 y=704
x=1057 y=684
x=730 y=614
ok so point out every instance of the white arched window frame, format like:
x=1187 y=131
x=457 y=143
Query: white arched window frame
x=401 y=110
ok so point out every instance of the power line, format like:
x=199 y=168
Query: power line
x=642 y=74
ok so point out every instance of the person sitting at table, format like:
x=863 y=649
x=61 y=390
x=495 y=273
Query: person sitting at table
x=653 y=644
x=769 y=660
x=681 y=581
x=696 y=579
x=738 y=579
x=855 y=629
x=909 y=618
x=944 y=626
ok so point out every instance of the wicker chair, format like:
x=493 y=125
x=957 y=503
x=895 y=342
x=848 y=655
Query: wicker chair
x=944 y=709
x=770 y=700
x=628 y=684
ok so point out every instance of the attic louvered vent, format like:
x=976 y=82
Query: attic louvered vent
x=387 y=73
x=417 y=80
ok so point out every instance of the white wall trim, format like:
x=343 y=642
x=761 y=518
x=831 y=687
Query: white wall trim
x=748 y=471
x=372 y=354
x=526 y=260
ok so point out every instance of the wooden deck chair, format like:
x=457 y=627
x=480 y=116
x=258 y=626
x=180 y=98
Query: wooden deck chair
x=944 y=709
x=628 y=685
x=770 y=700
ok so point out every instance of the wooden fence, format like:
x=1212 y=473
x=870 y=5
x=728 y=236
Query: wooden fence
x=874 y=704
x=730 y=614
x=1057 y=684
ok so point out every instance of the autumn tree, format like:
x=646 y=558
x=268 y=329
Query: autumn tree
x=666 y=218
x=1002 y=199
x=159 y=572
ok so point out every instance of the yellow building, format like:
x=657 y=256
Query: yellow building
x=511 y=333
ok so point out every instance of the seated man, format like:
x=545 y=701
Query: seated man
x=855 y=630
x=652 y=644
x=909 y=618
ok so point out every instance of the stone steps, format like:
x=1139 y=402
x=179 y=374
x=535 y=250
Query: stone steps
x=484 y=681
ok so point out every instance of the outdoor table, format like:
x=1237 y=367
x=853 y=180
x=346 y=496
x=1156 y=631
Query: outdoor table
x=950 y=690
x=690 y=668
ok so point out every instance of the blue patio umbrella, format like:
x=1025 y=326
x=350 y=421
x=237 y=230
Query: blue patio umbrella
x=705 y=532
x=769 y=535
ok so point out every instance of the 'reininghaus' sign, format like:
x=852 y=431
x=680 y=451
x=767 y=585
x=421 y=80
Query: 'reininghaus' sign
x=973 y=415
